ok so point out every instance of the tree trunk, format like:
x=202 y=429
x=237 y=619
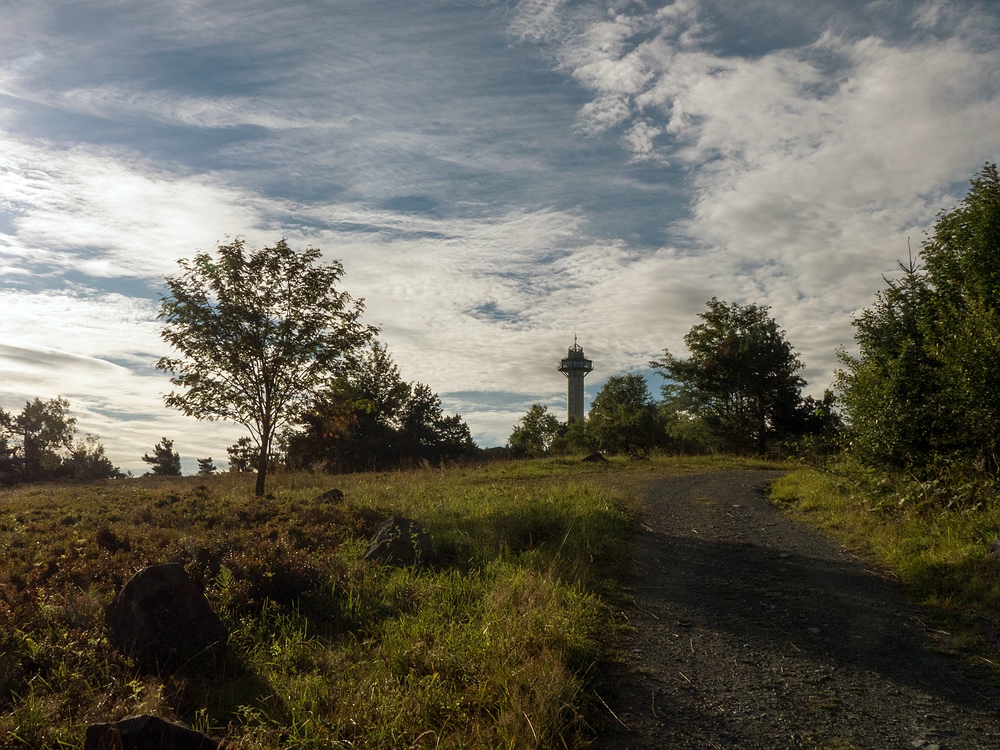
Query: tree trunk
x=261 y=469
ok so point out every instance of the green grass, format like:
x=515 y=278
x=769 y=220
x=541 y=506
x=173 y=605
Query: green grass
x=489 y=647
x=944 y=556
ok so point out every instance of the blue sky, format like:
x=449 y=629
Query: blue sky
x=496 y=177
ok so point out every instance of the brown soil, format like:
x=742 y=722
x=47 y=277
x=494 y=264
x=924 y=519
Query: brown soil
x=751 y=630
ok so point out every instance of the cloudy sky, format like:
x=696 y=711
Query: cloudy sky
x=496 y=176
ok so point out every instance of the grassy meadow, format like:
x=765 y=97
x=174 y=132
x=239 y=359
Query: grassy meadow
x=500 y=642
x=496 y=644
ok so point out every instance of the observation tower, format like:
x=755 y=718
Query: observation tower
x=575 y=367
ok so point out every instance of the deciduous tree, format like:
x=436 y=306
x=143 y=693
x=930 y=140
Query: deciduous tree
x=535 y=433
x=741 y=377
x=258 y=334
x=44 y=428
x=88 y=462
x=370 y=418
x=624 y=418
x=37 y=445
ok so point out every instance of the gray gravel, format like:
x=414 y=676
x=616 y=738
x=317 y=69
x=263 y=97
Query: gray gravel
x=751 y=630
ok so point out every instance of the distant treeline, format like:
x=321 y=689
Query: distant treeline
x=39 y=444
x=371 y=419
x=738 y=392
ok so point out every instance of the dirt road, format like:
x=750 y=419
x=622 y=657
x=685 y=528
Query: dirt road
x=750 y=630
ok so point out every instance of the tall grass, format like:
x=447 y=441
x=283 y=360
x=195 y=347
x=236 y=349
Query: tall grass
x=496 y=643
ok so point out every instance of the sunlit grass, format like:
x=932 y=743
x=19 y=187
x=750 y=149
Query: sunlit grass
x=490 y=646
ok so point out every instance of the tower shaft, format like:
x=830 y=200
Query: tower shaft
x=574 y=399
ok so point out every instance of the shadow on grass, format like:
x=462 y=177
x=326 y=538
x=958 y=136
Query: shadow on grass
x=216 y=691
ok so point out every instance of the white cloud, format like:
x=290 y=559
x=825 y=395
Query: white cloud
x=107 y=213
x=804 y=169
x=811 y=165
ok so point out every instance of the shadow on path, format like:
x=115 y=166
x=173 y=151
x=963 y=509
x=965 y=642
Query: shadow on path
x=752 y=630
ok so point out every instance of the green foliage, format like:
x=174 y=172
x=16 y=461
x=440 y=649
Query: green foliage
x=44 y=428
x=206 y=467
x=369 y=418
x=572 y=438
x=686 y=432
x=535 y=433
x=37 y=445
x=87 y=462
x=923 y=392
x=740 y=379
x=623 y=417
x=165 y=461
x=258 y=334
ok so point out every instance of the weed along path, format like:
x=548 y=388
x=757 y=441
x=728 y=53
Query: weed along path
x=751 y=630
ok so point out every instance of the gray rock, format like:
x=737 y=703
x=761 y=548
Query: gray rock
x=163 y=620
x=400 y=541
x=333 y=496
x=147 y=733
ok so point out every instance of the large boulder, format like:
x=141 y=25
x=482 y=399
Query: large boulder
x=147 y=733
x=163 y=620
x=400 y=541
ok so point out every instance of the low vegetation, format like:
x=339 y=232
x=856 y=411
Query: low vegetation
x=497 y=643
x=942 y=548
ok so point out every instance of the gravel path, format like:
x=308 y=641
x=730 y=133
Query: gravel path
x=751 y=630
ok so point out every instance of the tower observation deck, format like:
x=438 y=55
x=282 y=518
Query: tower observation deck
x=575 y=367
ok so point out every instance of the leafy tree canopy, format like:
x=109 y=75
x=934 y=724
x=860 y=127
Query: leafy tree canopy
x=370 y=418
x=624 y=418
x=741 y=377
x=38 y=445
x=258 y=333
x=536 y=432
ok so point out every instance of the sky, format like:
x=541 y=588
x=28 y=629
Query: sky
x=496 y=176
